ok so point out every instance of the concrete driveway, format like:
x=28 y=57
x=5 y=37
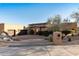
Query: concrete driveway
x=40 y=47
x=71 y=50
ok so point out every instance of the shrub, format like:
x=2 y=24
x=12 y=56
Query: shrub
x=44 y=33
x=31 y=32
x=50 y=38
x=66 y=32
x=22 y=32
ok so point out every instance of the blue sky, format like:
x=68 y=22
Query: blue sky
x=27 y=13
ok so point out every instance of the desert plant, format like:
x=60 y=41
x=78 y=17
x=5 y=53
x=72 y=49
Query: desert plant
x=50 y=38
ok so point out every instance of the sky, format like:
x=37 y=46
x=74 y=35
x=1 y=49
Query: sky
x=28 y=13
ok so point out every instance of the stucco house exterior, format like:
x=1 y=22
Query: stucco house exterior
x=11 y=29
x=44 y=26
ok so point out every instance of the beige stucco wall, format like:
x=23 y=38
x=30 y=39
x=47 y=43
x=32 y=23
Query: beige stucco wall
x=9 y=27
x=68 y=26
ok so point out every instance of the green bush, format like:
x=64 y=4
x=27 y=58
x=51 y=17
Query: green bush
x=44 y=33
x=50 y=38
x=31 y=32
x=66 y=32
x=22 y=32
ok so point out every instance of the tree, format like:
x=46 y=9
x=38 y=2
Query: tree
x=56 y=23
x=50 y=23
x=53 y=23
x=76 y=16
x=50 y=20
x=57 y=20
x=66 y=20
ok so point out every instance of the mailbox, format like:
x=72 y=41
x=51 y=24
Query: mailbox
x=57 y=38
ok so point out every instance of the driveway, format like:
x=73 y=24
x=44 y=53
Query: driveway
x=40 y=47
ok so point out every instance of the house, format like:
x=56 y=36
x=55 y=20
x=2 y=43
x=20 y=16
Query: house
x=44 y=26
x=38 y=27
x=14 y=29
x=11 y=29
x=69 y=26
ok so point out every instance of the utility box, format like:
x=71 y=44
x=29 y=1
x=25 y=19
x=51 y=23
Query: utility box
x=57 y=38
